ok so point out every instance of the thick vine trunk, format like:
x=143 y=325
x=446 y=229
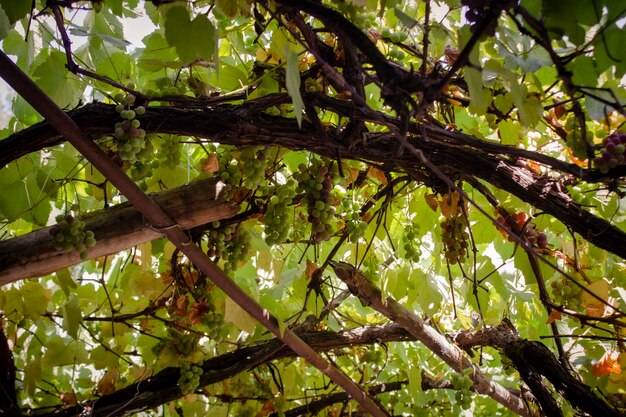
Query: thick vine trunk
x=457 y=155
x=115 y=229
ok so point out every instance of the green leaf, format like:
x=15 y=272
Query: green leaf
x=509 y=132
x=36 y=299
x=65 y=281
x=180 y=30
x=583 y=70
x=14 y=10
x=55 y=80
x=5 y=25
x=32 y=375
x=293 y=84
x=72 y=316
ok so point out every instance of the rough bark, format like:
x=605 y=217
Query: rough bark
x=115 y=229
x=456 y=154
x=535 y=361
x=162 y=387
x=371 y=296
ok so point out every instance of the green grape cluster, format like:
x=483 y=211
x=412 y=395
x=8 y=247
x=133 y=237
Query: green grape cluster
x=462 y=385
x=278 y=218
x=393 y=36
x=412 y=249
x=566 y=293
x=185 y=343
x=214 y=321
x=253 y=160
x=129 y=136
x=189 y=378
x=69 y=233
x=236 y=251
x=316 y=183
x=170 y=151
x=229 y=173
x=229 y=243
x=355 y=226
x=455 y=239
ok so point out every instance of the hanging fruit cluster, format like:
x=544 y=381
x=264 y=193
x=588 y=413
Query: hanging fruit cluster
x=69 y=234
x=612 y=155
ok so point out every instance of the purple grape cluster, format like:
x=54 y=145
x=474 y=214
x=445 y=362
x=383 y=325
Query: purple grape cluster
x=613 y=153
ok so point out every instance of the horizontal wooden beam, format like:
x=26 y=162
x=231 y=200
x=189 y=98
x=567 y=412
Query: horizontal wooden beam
x=116 y=228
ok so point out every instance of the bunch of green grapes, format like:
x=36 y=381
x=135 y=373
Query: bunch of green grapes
x=69 y=233
x=185 y=343
x=229 y=172
x=189 y=378
x=278 y=216
x=170 y=151
x=355 y=226
x=566 y=293
x=462 y=384
x=253 y=160
x=455 y=239
x=236 y=250
x=219 y=236
x=214 y=321
x=412 y=247
x=316 y=183
x=229 y=243
x=128 y=135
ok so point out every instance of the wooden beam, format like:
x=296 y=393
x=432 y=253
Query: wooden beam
x=115 y=229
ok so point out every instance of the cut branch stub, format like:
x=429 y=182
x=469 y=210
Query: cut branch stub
x=115 y=229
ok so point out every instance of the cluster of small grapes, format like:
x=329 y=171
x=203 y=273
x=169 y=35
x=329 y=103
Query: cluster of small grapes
x=219 y=236
x=130 y=137
x=462 y=385
x=518 y=222
x=185 y=343
x=581 y=193
x=253 y=160
x=316 y=183
x=566 y=293
x=277 y=214
x=189 y=378
x=455 y=239
x=613 y=153
x=412 y=250
x=355 y=226
x=214 y=321
x=236 y=251
x=170 y=151
x=229 y=172
x=69 y=233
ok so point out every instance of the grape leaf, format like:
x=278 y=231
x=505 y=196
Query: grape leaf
x=72 y=316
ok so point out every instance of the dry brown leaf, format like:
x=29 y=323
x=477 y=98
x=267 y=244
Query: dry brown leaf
x=69 y=398
x=310 y=269
x=267 y=409
x=608 y=364
x=554 y=316
x=210 y=164
x=106 y=385
x=431 y=200
x=377 y=174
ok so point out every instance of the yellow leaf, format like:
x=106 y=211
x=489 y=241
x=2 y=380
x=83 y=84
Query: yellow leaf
x=237 y=316
x=593 y=306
